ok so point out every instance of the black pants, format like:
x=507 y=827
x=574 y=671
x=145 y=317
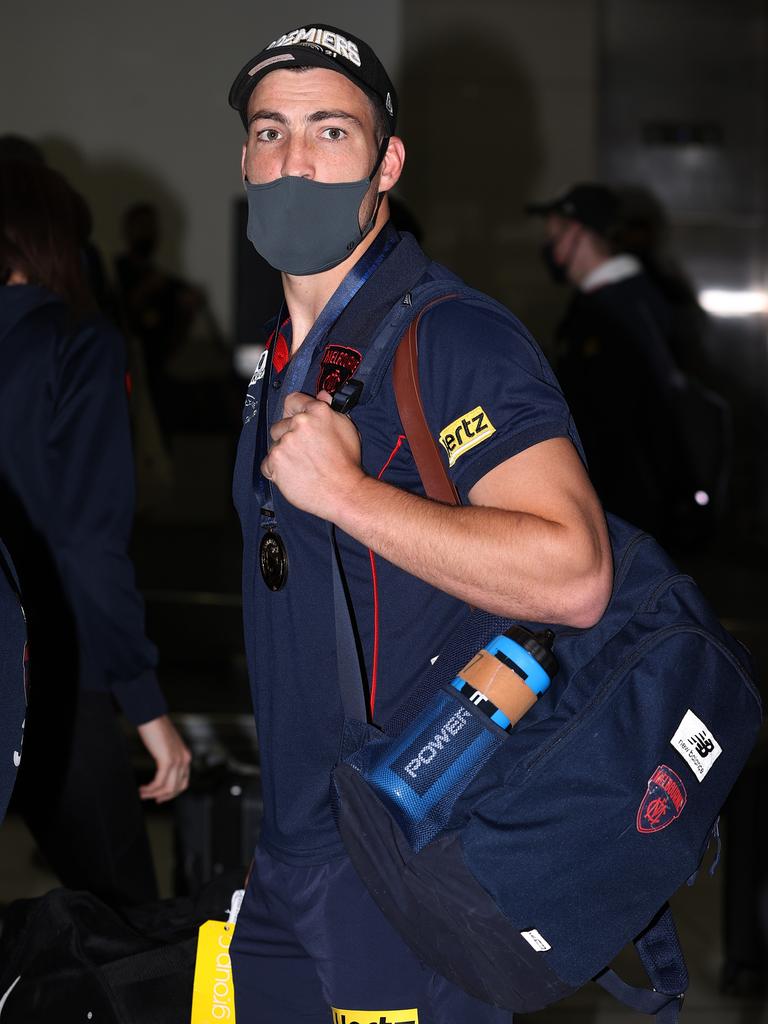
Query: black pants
x=78 y=795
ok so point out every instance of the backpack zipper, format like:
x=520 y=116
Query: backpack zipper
x=636 y=654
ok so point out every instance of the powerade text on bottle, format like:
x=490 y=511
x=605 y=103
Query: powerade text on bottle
x=420 y=775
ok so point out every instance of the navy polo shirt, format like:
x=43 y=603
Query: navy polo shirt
x=488 y=394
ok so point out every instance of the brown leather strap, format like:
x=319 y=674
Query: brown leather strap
x=405 y=378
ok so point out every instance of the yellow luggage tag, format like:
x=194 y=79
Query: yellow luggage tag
x=213 y=995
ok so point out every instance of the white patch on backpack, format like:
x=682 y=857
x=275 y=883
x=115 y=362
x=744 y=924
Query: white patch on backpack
x=536 y=941
x=696 y=745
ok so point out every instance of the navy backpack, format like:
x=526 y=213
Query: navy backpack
x=590 y=813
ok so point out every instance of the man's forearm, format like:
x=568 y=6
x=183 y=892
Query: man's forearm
x=532 y=545
x=509 y=563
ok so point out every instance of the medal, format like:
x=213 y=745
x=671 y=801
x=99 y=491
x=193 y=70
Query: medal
x=273 y=560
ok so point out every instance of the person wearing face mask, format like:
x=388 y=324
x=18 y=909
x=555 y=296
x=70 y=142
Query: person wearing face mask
x=529 y=541
x=614 y=362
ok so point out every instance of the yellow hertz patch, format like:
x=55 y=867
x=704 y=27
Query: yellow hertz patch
x=375 y=1016
x=465 y=433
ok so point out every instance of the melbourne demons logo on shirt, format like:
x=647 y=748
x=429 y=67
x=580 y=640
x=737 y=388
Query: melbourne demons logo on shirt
x=338 y=364
x=663 y=802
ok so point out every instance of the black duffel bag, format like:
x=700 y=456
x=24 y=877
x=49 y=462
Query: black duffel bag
x=68 y=957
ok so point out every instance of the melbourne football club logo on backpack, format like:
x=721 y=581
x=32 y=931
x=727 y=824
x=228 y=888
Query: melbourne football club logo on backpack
x=663 y=802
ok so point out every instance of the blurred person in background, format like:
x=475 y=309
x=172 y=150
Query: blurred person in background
x=158 y=308
x=176 y=347
x=643 y=231
x=18 y=148
x=657 y=444
x=66 y=508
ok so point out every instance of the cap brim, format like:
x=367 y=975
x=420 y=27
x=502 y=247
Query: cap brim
x=275 y=60
x=284 y=58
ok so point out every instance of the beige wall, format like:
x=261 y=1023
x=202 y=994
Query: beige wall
x=499 y=108
x=129 y=100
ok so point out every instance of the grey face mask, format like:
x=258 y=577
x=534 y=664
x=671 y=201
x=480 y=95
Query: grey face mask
x=304 y=227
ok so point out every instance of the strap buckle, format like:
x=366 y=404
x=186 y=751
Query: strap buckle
x=347 y=396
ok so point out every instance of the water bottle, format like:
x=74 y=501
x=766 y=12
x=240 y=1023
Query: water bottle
x=421 y=773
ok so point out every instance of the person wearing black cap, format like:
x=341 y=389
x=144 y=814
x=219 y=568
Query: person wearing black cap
x=530 y=541
x=614 y=362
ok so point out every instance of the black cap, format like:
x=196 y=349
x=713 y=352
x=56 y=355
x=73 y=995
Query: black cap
x=595 y=206
x=319 y=46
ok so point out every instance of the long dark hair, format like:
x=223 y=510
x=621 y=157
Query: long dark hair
x=44 y=226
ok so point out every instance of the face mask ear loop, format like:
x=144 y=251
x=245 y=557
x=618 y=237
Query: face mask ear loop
x=380 y=156
x=380 y=195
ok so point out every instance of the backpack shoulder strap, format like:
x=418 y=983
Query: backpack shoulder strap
x=662 y=957
x=437 y=484
x=405 y=379
x=8 y=569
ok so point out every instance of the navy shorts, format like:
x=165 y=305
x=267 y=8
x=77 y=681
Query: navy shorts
x=311 y=947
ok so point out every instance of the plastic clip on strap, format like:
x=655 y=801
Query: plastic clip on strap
x=347 y=396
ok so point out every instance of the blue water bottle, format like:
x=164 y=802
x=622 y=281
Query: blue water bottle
x=421 y=773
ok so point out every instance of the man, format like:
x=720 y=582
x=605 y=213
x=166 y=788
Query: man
x=615 y=364
x=530 y=541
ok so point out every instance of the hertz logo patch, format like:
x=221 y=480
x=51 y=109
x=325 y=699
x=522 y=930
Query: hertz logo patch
x=375 y=1016
x=465 y=433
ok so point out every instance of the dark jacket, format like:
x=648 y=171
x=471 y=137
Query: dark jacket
x=66 y=500
x=619 y=377
x=13 y=635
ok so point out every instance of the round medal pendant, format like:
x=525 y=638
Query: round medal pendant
x=273 y=560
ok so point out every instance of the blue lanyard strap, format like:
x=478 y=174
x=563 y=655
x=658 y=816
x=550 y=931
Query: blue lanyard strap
x=300 y=363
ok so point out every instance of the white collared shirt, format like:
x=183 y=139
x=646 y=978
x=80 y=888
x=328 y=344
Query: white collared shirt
x=614 y=269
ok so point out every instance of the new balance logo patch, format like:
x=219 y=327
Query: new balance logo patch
x=704 y=745
x=696 y=744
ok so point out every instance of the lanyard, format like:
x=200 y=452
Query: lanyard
x=300 y=363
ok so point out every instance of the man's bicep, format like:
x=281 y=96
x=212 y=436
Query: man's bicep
x=547 y=480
